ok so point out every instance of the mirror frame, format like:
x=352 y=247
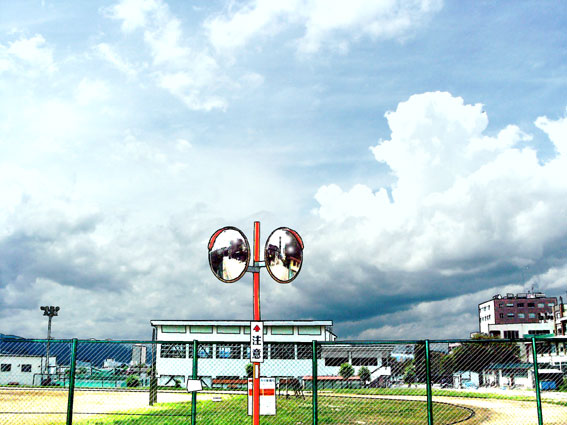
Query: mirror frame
x=212 y=242
x=299 y=240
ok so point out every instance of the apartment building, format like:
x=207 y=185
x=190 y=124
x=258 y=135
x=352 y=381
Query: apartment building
x=515 y=315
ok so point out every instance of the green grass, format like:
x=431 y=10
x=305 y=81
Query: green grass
x=423 y=392
x=292 y=411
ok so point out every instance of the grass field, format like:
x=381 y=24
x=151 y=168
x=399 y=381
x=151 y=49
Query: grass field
x=292 y=411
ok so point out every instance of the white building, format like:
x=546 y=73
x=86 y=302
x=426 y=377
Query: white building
x=17 y=369
x=520 y=330
x=224 y=350
x=138 y=354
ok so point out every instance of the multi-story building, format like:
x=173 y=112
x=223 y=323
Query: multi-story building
x=138 y=354
x=560 y=318
x=512 y=316
x=224 y=350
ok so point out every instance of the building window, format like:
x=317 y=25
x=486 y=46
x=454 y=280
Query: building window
x=173 y=329
x=541 y=305
x=5 y=367
x=228 y=329
x=502 y=315
x=229 y=351
x=283 y=351
x=511 y=334
x=509 y=304
x=520 y=304
x=510 y=315
x=530 y=305
x=205 y=351
x=201 y=329
x=173 y=351
x=500 y=305
x=309 y=330
x=282 y=330
x=335 y=361
x=364 y=361
x=531 y=315
x=550 y=304
x=26 y=368
x=521 y=315
x=305 y=351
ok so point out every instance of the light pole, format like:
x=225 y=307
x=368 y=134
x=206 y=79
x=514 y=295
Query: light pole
x=49 y=311
x=229 y=258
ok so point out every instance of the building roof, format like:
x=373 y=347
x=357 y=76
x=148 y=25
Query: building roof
x=241 y=322
x=508 y=366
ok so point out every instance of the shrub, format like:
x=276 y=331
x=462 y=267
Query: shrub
x=346 y=370
x=133 y=381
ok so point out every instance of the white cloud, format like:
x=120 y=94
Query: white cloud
x=333 y=23
x=191 y=74
x=30 y=56
x=109 y=54
x=89 y=91
x=459 y=197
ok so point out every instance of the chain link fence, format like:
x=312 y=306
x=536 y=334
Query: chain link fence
x=486 y=381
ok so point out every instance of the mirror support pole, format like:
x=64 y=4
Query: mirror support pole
x=256 y=303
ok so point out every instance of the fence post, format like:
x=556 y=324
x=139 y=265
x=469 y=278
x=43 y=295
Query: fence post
x=428 y=382
x=314 y=384
x=195 y=376
x=536 y=379
x=153 y=378
x=71 y=394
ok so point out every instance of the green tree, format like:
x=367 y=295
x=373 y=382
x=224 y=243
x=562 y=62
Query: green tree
x=249 y=370
x=364 y=374
x=346 y=370
x=409 y=373
x=133 y=381
x=477 y=356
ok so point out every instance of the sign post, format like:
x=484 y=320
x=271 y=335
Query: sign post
x=229 y=258
x=256 y=300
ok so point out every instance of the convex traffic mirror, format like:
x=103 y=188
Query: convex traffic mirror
x=283 y=254
x=229 y=254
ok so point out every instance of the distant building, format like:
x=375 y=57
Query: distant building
x=224 y=350
x=560 y=318
x=18 y=369
x=513 y=316
x=139 y=352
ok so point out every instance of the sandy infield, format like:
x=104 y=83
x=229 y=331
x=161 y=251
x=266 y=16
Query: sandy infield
x=19 y=406
x=23 y=406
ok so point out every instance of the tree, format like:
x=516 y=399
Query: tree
x=409 y=373
x=249 y=370
x=133 y=381
x=364 y=374
x=346 y=370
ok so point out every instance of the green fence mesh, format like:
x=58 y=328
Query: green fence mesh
x=361 y=382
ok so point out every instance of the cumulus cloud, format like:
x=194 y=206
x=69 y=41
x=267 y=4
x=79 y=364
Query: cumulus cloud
x=459 y=194
x=334 y=23
x=29 y=56
x=90 y=91
x=191 y=74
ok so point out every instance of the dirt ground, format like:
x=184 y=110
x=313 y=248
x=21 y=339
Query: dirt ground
x=26 y=406
x=23 y=406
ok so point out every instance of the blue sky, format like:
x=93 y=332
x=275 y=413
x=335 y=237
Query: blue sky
x=418 y=146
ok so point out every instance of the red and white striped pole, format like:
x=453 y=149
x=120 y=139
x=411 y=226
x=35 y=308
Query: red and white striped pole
x=256 y=303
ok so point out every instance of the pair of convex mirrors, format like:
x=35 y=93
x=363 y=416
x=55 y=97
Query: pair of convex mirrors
x=229 y=254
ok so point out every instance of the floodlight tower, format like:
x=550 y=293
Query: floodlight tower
x=49 y=311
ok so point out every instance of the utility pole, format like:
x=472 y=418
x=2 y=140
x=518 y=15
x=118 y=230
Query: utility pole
x=49 y=311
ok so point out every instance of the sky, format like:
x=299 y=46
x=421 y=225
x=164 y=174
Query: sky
x=419 y=147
